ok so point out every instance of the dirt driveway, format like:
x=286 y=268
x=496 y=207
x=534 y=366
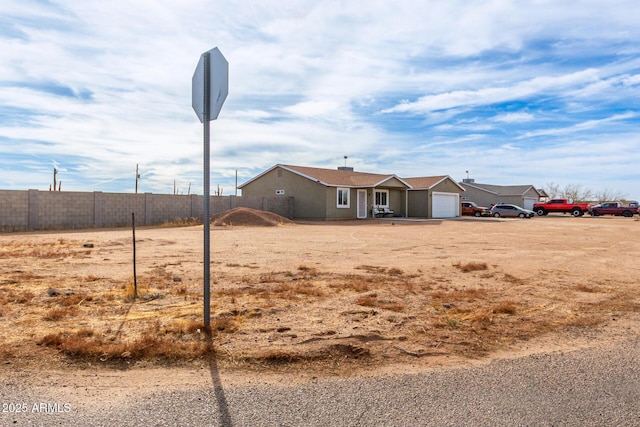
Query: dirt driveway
x=334 y=298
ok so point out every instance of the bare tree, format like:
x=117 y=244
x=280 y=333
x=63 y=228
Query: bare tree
x=577 y=193
x=553 y=190
x=607 y=195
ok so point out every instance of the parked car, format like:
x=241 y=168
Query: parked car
x=563 y=206
x=470 y=208
x=510 y=211
x=613 y=208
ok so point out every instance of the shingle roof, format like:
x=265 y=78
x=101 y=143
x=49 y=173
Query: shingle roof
x=502 y=190
x=336 y=177
x=349 y=178
x=339 y=177
x=425 y=181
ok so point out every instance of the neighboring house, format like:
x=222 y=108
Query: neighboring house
x=487 y=195
x=434 y=197
x=330 y=193
x=544 y=196
x=343 y=193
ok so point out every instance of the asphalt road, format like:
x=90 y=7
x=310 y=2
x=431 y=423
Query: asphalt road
x=593 y=387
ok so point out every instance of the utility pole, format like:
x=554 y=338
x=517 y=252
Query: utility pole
x=55 y=172
x=137 y=178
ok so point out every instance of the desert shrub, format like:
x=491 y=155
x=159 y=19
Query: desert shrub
x=58 y=313
x=74 y=299
x=224 y=324
x=371 y=300
x=395 y=272
x=471 y=266
x=585 y=288
x=505 y=307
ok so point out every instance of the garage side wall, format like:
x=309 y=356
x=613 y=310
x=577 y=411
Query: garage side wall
x=481 y=198
x=418 y=203
x=309 y=197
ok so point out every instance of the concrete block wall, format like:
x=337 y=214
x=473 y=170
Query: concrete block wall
x=50 y=210
x=114 y=209
x=14 y=210
x=61 y=210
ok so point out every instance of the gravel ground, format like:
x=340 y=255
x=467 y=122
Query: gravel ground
x=589 y=387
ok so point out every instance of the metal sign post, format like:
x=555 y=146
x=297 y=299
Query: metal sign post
x=210 y=86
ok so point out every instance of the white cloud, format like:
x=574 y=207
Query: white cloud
x=493 y=95
x=514 y=117
x=98 y=87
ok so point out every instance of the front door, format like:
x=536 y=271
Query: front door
x=362 y=204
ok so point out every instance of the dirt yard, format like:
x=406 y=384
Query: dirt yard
x=331 y=298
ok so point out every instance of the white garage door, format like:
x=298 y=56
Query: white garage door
x=528 y=203
x=445 y=205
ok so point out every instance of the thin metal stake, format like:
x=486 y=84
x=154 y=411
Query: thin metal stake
x=135 y=277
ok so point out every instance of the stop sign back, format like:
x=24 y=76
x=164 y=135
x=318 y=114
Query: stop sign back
x=218 y=84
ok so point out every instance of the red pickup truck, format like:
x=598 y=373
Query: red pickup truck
x=613 y=208
x=561 y=205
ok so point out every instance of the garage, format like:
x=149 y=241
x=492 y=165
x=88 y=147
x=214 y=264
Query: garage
x=529 y=202
x=445 y=205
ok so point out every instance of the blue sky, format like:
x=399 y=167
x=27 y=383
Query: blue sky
x=515 y=92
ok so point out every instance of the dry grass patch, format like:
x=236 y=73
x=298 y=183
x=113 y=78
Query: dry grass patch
x=458 y=295
x=59 y=313
x=514 y=280
x=334 y=353
x=15 y=296
x=585 y=288
x=505 y=307
x=292 y=291
x=471 y=266
x=322 y=313
x=148 y=346
x=372 y=300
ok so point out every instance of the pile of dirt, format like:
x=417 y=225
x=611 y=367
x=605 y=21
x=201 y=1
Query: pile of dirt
x=249 y=217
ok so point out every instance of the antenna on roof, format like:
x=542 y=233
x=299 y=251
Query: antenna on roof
x=468 y=180
x=345 y=167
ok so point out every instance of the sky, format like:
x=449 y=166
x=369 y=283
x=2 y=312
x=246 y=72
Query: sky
x=505 y=92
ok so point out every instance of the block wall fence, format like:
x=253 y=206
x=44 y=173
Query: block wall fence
x=22 y=210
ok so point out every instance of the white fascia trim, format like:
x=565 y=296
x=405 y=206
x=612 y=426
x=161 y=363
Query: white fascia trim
x=391 y=177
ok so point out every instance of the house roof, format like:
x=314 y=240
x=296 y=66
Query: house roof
x=335 y=177
x=502 y=190
x=353 y=179
x=428 y=182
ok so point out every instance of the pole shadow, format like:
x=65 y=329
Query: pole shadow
x=221 y=399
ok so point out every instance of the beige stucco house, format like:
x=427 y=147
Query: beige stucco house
x=342 y=193
x=487 y=195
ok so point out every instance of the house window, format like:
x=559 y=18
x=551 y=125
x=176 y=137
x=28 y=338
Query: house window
x=343 y=198
x=382 y=198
